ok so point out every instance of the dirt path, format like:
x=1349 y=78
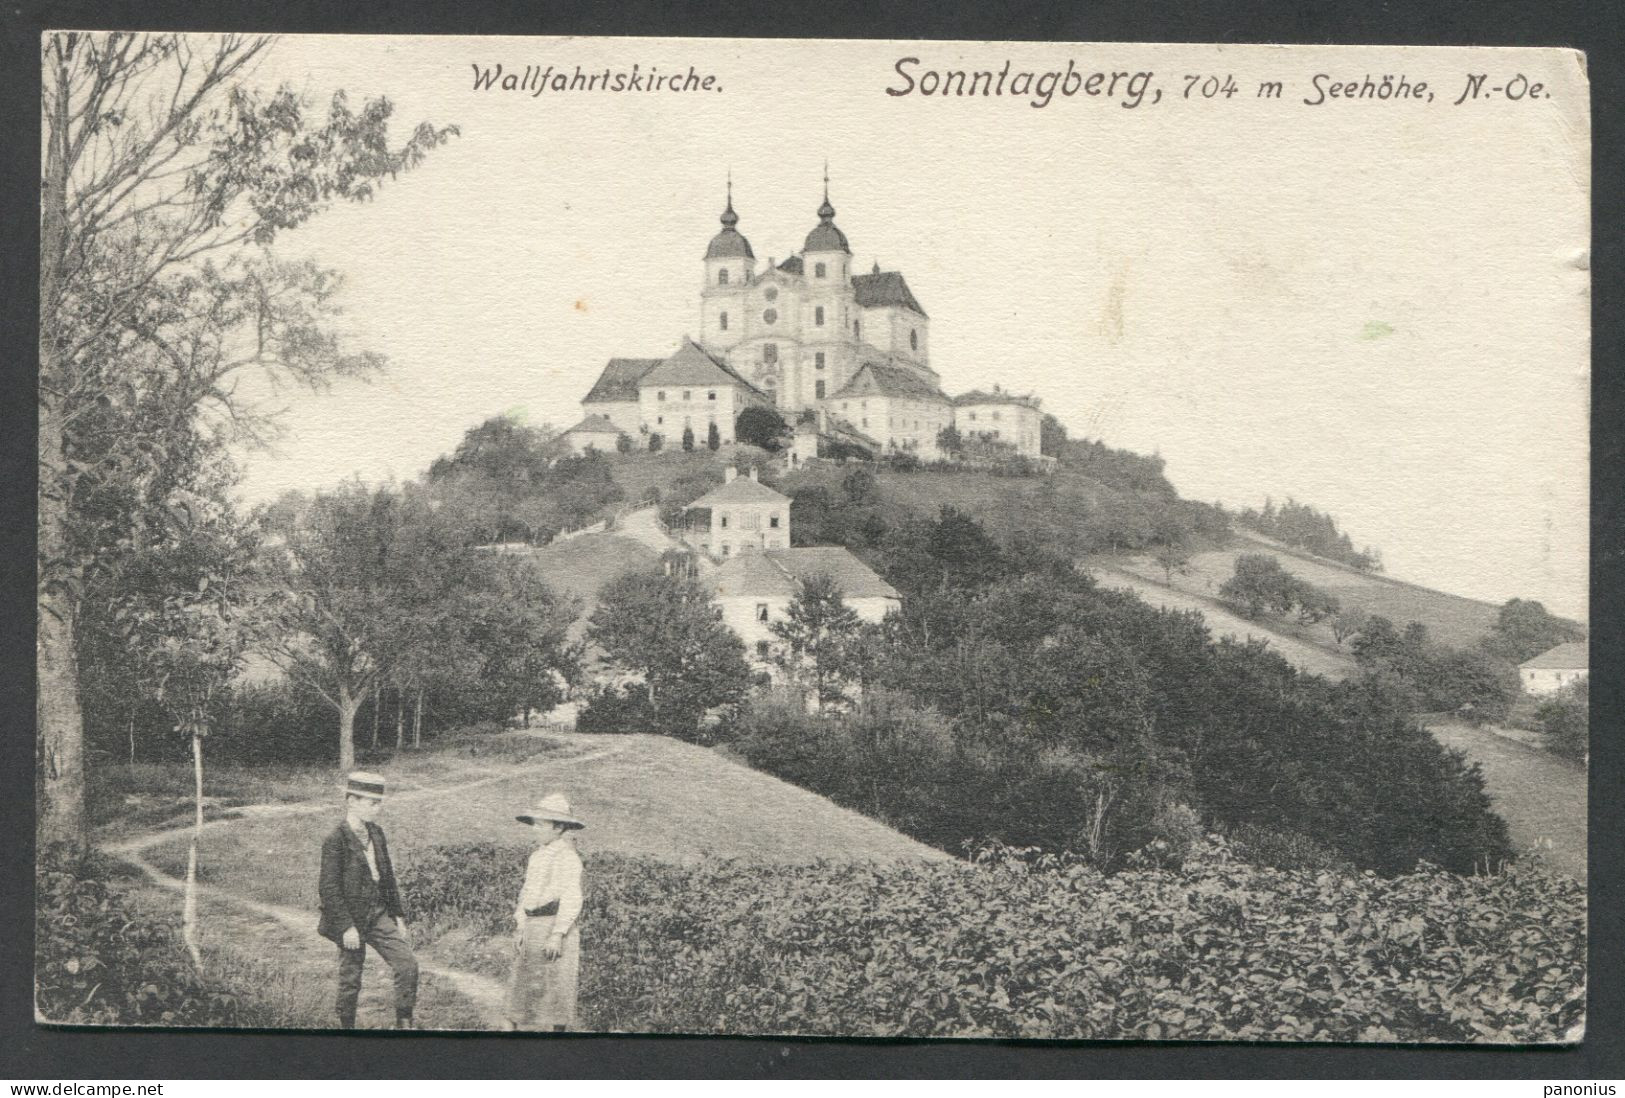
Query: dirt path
x=1542 y=797
x=283 y=939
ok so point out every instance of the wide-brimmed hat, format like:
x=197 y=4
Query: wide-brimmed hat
x=364 y=783
x=554 y=808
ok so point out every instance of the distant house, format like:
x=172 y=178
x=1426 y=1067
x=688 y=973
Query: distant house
x=755 y=590
x=744 y=515
x=901 y=408
x=592 y=433
x=614 y=396
x=1555 y=668
x=999 y=416
x=694 y=389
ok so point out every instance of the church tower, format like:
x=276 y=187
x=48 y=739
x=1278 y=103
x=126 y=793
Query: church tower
x=828 y=347
x=729 y=265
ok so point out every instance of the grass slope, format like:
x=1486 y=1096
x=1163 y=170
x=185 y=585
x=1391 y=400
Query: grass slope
x=1451 y=619
x=640 y=794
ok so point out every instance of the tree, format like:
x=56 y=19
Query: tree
x=164 y=178
x=818 y=635
x=1565 y=718
x=713 y=437
x=1051 y=436
x=624 y=443
x=688 y=440
x=761 y=427
x=655 y=442
x=949 y=440
x=340 y=614
x=1524 y=629
x=667 y=630
x=1348 y=621
x=194 y=617
x=1174 y=559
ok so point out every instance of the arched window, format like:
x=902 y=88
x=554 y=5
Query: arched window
x=913 y=340
x=818 y=316
x=818 y=270
x=722 y=277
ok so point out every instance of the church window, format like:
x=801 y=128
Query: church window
x=659 y=420
x=818 y=361
x=818 y=270
x=819 y=389
x=772 y=293
x=770 y=316
x=723 y=520
x=761 y=611
x=725 y=322
x=913 y=340
x=770 y=352
x=818 y=316
x=722 y=277
x=711 y=395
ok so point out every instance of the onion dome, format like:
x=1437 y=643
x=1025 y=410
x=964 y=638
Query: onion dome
x=825 y=237
x=730 y=243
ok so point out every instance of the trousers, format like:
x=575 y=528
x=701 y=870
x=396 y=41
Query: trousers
x=384 y=936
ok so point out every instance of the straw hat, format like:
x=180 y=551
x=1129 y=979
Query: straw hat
x=553 y=808
x=364 y=783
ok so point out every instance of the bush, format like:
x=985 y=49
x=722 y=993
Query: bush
x=761 y=427
x=98 y=962
x=1022 y=947
x=612 y=709
x=655 y=442
x=1566 y=718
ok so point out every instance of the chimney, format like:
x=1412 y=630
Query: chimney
x=753 y=472
x=728 y=474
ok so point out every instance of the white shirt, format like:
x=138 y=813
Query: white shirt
x=365 y=836
x=553 y=873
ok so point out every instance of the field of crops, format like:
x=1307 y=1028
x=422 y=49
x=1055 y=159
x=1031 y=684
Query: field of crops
x=1217 y=949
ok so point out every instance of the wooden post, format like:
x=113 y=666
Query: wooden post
x=189 y=907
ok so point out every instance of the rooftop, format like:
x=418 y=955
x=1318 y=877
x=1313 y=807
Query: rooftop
x=595 y=425
x=740 y=490
x=1571 y=656
x=619 y=381
x=889 y=379
x=882 y=288
x=997 y=396
x=694 y=365
x=783 y=571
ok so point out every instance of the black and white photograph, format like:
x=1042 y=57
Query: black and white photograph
x=848 y=539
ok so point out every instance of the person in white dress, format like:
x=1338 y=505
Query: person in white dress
x=547 y=938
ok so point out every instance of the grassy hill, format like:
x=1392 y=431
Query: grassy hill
x=1451 y=619
x=640 y=795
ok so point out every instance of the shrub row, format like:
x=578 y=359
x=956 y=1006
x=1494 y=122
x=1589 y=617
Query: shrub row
x=1041 y=947
x=98 y=962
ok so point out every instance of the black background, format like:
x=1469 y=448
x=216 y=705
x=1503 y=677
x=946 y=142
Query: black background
x=31 y=1052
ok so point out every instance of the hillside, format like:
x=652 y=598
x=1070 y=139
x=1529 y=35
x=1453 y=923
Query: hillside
x=579 y=566
x=1451 y=619
x=640 y=795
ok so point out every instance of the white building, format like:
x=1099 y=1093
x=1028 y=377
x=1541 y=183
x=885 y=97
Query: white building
x=1555 y=668
x=800 y=330
x=755 y=590
x=592 y=433
x=896 y=407
x=614 y=396
x=1001 y=417
x=693 y=390
x=744 y=515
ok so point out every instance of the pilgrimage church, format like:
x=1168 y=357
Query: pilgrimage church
x=810 y=338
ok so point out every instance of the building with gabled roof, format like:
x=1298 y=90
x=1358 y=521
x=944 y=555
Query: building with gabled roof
x=904 y=411
x=615 y=394
x=1001 y=417
x=593 y=433
x=1555 y=668
x=693 y=390
x=755 y=590
x=742 y=515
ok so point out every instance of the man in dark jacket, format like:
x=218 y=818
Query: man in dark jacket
x=361 y=904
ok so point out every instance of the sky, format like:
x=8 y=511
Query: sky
x=1378 y=308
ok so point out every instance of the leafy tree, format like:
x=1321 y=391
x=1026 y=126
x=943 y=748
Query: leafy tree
x=950 y=441
x=1565 y=718
x=688 y=440
x=623 y=443
x=655 y=442
x=818 y=637
x=1303 y=527
x=762 y=427
x=1349 y=621
x=1051 y=436
x=713 y=437
x=667 y=630
x=860 y=487
x=1524 y=629
x=164 y=178
x=1174 y=559
x=1315 y=604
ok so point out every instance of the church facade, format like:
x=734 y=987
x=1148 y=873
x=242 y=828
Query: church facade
x=808 y=337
